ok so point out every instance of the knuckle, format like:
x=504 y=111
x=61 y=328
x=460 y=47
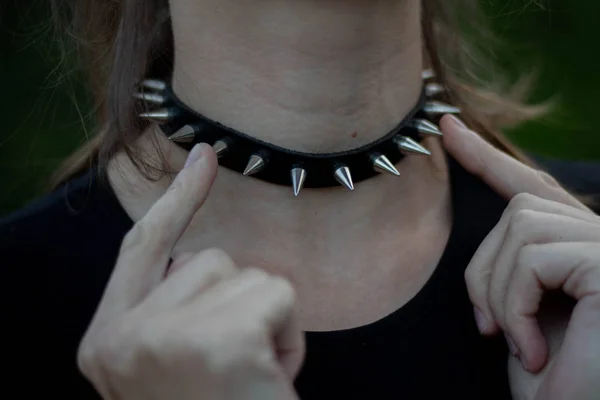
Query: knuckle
x=131 y=240
x=208 y=270
x=521 y=220
x=86 y=357
x=521 y=201
x=514 y=320
x=161 y=346
x=525 y=257
x=109 y=352
x=183 y=190
x=101 y=353
x=246 y=346
x=583 y=272
x=255 y=273
x=217 y=257
x=140 y=234
x=476 y=288
x=477 y=281
x=285 y=289
x=548 y=179
x=126 y=346
x=511 y=317
x=251 y=329
x=115 y=343
x=178 y=187
x=179 y=262
x=149 y=342
x=470 y=276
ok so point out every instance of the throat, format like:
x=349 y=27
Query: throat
x=313 y=76
x=334 y=246
x=316 y=76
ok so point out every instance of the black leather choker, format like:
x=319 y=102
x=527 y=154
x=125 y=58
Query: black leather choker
x=253 y=157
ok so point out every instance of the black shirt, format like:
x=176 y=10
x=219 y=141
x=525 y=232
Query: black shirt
x=58 y=253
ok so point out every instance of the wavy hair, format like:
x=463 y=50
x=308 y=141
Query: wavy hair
x=119 y=42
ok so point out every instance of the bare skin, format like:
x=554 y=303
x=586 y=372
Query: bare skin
x=325 y=75
x=211 y=327
x=336 y=75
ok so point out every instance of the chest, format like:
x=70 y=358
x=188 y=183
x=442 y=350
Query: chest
x=428 y=349
x=367 y=285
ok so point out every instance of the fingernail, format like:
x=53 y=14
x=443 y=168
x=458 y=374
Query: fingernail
x=512 y=347
x=194 y=155
x=480 y=320
x=458 y=122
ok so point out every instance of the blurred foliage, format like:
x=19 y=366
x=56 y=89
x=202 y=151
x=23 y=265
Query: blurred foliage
x=42 y=105
x=45 y=113
x=558 y=40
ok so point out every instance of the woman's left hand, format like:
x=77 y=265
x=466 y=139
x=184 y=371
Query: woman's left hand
x=545 y=240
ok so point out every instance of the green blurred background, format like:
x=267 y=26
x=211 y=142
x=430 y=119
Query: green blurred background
x=45 y=112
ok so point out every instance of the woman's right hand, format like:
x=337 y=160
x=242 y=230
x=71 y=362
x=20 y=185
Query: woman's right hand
x=210 y=330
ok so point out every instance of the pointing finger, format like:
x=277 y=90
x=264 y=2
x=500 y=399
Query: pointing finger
x=506 y=175
x=147 y=248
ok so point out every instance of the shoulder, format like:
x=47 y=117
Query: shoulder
x=65 y=242
x=59 y=250
x=57 y=255
x=71 y=218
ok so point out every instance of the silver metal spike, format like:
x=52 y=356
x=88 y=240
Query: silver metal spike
x=298 y=177
x=161 y=115
x=382 y=164
x=255 y=164
x=153 y=98
x=428 y=74
x=344 y=177
x=409 y=146
x=154 y=84
x=437 y=107
x=433 y=89
x=220 y=147
x=186 y=134
x=425 y=127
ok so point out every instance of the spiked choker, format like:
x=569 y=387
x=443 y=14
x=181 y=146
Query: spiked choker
x=252 y=157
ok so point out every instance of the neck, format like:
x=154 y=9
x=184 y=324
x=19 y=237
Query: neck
x=311 y=75
x=314 y=76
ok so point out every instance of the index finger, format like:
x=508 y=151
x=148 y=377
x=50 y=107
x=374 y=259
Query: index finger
x=147 y=248
x=503 y=173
